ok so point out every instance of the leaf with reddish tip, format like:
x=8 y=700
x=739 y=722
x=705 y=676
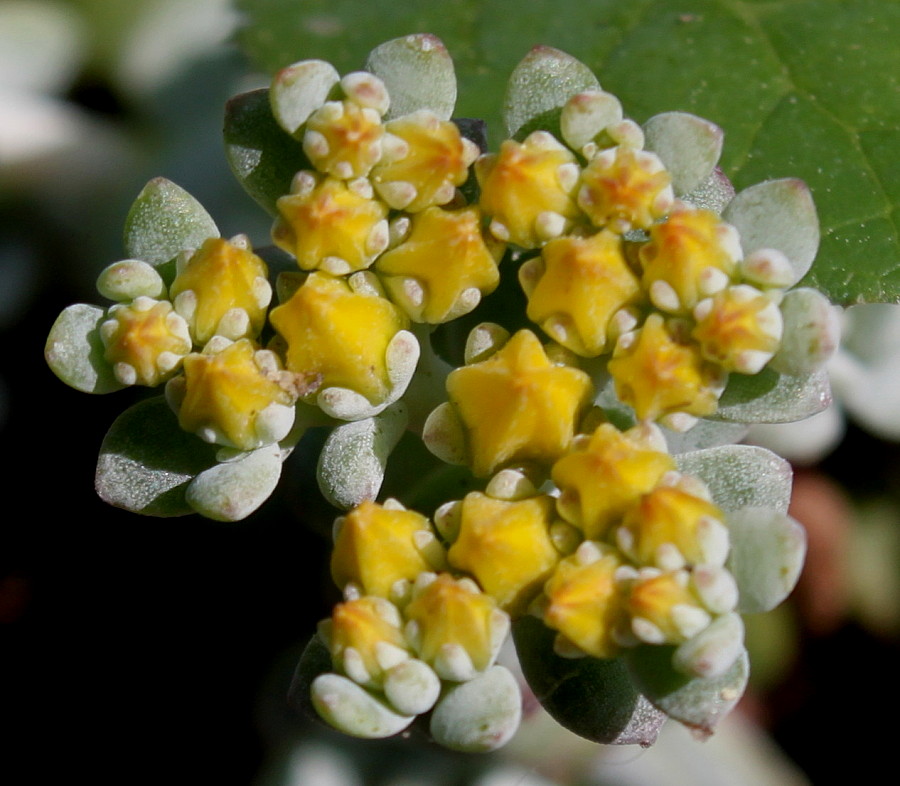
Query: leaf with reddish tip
x=299 y=90
x=777 y=214
x=418 y=73
x=699 y=703
x=688 y=146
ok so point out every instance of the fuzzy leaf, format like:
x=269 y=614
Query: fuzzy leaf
x=418 y=72
x=777 y=214
x=768 y=397
x=591 y=697
x=354 y=457
x=767 y=552
x=704 y=434
x=262 y=156
x=699 y=703
x=539 y=86
x=164 y=220
x=688 y=145
x=741 y=475
x=232 y=490
x=802 y=89
x=74 y=350
x=146 y=461
x=300 y=89
x=479 y=715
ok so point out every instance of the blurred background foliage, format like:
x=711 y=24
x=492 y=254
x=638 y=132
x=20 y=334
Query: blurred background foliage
x=141 y=648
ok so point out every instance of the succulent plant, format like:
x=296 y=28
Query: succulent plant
x=609 y=520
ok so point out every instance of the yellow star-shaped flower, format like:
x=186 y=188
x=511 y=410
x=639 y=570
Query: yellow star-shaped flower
x=222 y=277
x=583 y=283
x=506 y=545
x=339 y=334
x=603 y=475
x=376 y=547
x=329 y=224
x=449 y=614
x=225 y=393
x=517 y=405
x=433 y=272
x=659 y=375
x=584 y=601
x=428 y=161
x=527 y=189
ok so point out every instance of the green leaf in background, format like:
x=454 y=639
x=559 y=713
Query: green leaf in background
x=802 y=88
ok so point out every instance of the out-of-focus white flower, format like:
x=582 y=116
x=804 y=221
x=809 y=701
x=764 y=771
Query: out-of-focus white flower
x=865 y=383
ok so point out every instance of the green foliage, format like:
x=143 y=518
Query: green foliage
x=802 y=88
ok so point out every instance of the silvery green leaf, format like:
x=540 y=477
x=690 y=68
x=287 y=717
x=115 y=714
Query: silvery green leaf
x=704 y=434
x=130 y=279
x=713 y=651
x=418 y=73
x=299 y=90
x=146 y=461
x=354 y=457
x=714 y=193
x=74 y=350
x=479 y=715
x=688 y=146
x=739 y=476
x=540 y=85
x=768 y=397
x=699 y=703
x=261 y=154
x=232 y=490
x=164 y=220
x=812 y=332
x=767 y=552
x=353 y=710
x=593 y=698
x=777 y=214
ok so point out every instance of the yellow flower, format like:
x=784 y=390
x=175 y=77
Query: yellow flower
x=443 y=268
x=660 y=375
x=339 y=334
x=606 y=473
x=506 y=546
x=233 y=397
x=425 y=159
x=330 y=224
x=576 y=287
x=145 y=341
x=517 y=405
x=624 y=189
x=690 y=255
x=344 y=139
x=670 y=528
x=663 y=608
x=377 y=546
x=739 y=328
x=585 y=601
x=222 y=289
x=527 y=189
x=454 y=628
x=365 y=638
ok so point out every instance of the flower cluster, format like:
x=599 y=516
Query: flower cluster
x=655 y=286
